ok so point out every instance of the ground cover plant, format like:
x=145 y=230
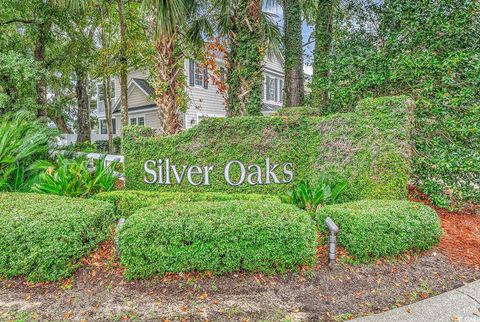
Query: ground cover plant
x=371 y=229
x=127 y=202
x=369 y=148
x=42 y=237
x=218 y=237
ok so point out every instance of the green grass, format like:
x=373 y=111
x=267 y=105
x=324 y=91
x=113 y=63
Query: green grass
x=219 y=237
x=370 y=229
x=43 y=236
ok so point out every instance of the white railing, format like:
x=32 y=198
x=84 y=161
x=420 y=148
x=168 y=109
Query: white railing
x=66 y=139
x=109 y=158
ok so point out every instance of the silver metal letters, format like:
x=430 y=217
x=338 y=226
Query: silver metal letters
x=235 y=173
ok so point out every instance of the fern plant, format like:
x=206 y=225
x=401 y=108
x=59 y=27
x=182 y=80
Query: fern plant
x=73 y=178
x=325 y=191
x=24 y=145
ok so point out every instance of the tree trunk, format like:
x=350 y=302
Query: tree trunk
x=123 y=64
x=245 y=75
x=39 y=56
x=83 y=114
x=323 y=44
x=108 y=111
x=167 y=80
x=60 y=123
x=294 y=79
x=41 y=86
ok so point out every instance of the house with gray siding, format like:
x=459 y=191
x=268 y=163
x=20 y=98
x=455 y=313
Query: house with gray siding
x=204 y=98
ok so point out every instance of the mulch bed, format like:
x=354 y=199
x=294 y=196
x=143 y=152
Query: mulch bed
x=98 y=291
x=461 y=239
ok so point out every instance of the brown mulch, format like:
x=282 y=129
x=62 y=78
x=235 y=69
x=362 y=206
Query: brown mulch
x=461 y=239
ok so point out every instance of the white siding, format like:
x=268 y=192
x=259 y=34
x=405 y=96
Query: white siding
x=136 y=97
x=203 y=102
x=273 y=64
x=152 y=120
x=207 y=102
x=132 y=74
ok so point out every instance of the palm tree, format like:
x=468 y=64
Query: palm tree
x=251 y=34
x=177 y=25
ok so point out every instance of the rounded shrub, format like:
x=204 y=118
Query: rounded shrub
x=218 y=237
x=126 y=202
x=43 y=236
x=371 y=229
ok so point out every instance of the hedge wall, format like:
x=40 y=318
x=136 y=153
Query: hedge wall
x=127 y=202
x=43 y=236
x=371 y=229
x=218 y=237
x=369 y=148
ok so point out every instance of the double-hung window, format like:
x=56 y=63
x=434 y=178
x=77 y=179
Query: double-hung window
x=140 y=120
x=198 y=74
x=273 y=89
x=104 y=129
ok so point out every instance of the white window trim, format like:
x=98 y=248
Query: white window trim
x=279 y=95
x=202 y=69
x=136 y=116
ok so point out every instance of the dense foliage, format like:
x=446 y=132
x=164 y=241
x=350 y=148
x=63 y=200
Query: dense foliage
x=42 y=237
x=24 y=144
x=368 y=148
x=218 y=237
x=129 y=201
x=371 y=229
x=74 y=178
x=428 y=50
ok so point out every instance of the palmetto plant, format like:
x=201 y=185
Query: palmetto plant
x=309 y=196
x=73 y=178
x=23 y=145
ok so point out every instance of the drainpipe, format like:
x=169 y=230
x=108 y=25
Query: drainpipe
x=332 y=240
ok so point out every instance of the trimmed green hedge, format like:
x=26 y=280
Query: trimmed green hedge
x=128 y=201
x=218 y=237
x=371 y=229
x=369 y=148
x=43 y=236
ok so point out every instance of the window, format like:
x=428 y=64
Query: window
x=281 y=90
x=103 y=127
x=223 y=74
x=100 y=91
x=273 y=89
x=198 y=74
x=270 y=89
x=137 y=120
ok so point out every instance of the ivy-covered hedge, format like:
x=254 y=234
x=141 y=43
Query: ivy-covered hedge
x=371 y=229
x=43 y=236
x=126 y=202
x=217 y=236
x=369 y=148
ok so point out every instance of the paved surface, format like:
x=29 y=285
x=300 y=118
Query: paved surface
x=462 y=305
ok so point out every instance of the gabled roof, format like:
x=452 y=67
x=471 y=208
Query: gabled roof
x=142 y=85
